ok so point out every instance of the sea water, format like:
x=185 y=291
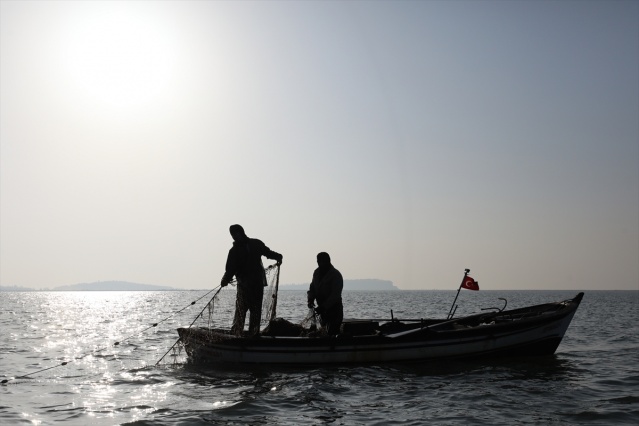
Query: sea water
x=78 y=358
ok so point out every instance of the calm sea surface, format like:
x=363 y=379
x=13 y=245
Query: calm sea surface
x=593 y=379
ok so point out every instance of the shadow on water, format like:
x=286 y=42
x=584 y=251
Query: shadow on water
x=326 y=394
x=551 y=368
x=494 y=391
x=540 y=368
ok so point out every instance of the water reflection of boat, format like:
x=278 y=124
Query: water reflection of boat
x=531 y=331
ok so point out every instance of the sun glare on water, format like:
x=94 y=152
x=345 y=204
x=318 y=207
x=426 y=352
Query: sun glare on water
x=119 y=58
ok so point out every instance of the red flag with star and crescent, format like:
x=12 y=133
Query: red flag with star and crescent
x=470 y=284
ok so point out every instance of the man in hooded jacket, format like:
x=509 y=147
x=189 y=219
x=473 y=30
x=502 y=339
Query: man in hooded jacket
x=326 y=289
x=244 y=261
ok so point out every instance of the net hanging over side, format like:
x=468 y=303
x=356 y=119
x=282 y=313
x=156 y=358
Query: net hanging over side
x=269 y=299
x=270 y=323
x=219 y=313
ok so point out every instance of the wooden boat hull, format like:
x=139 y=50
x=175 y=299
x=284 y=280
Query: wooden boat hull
x=529 y=331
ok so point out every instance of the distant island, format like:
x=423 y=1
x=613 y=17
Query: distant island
x=15 y=288
x=98 y=286
x=349 y=285
x=352 y=285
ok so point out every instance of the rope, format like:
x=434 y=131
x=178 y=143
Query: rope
x=165 y=319
x=193 y=322
x=211 y=304
x=25 y=376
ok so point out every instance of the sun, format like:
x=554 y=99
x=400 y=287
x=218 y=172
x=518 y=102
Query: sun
x=118 y=58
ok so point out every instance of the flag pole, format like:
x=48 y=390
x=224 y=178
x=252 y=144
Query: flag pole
x=451 y=312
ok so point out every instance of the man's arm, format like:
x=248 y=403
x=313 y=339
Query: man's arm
x=311 y=292
x=270 y=254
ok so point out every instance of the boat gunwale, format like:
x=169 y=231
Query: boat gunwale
x=418 y=338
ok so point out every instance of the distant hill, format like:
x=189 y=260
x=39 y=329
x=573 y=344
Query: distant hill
x=349 y=285
x=112 y=286
x=15 y=288
x=354 y=285
x=97 y=286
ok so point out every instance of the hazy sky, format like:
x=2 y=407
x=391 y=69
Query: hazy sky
x=409 y=139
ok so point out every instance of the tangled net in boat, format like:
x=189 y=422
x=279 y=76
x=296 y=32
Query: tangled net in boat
x=306 y=328
x=285 y=328
x=217 y=316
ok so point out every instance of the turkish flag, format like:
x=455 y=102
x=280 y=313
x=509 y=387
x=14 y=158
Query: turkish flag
x=470 y=283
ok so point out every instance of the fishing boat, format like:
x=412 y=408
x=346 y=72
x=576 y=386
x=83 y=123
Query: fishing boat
x=530 y=331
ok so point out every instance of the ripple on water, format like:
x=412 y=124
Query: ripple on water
x=592 y=379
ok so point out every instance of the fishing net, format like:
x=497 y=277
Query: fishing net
x=219 y=313
x=269 y=298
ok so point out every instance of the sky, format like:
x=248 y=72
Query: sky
x=410 y=140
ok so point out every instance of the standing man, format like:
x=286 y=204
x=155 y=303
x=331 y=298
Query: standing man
x=245 y=263
x=326 y=288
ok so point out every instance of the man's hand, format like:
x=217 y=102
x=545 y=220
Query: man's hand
x=224 y=283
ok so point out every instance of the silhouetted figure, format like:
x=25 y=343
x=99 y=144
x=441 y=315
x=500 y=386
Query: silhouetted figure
x=245 y=263
x=326 y=288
